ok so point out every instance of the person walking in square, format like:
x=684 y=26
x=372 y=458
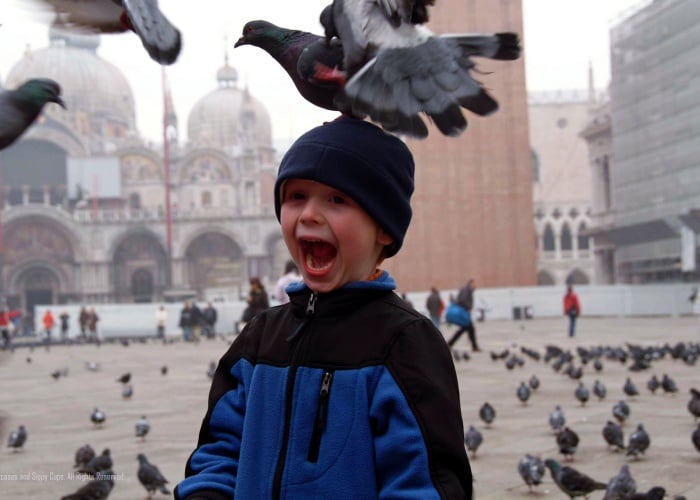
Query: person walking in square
x=572 y=308
x=465 y=298
x=435 y=306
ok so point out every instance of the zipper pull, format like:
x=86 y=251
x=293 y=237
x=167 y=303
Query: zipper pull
x=326 y=384
x=310 y=309
x=311 y=306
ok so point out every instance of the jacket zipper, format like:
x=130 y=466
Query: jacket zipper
x=289 y=391
x=321 y=417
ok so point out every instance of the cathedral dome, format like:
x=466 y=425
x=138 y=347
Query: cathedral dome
x=98 y=97
x=229 y=116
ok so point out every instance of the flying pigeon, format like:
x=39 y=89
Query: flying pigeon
x=473 y=439
x=127 y=391
x=695 y=437
x=613 y=435
x=17 y=438
x=653 y=384
x=557 y=420
x=98 y=417
x=629 y=388
x=142 y=427
x=124 y=379
x=582 y=393
x=572 y=482
x=567 y=441
x=523 y=393
x=599 y=390
x=19 y=108
x=639 y=442
x=694 y=403
x=98 y=463
x=159 y=37
x=96 y=489
x=150 y=477
x=531 y=469
x=396 y=68
x=621 y=486
x=487 y=413
x=668 y=384
x=621 y=411
x=83 y=455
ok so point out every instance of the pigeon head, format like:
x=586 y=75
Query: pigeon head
x=262 y=34
x=552 y=465
x=142 y=458
x=41 y=91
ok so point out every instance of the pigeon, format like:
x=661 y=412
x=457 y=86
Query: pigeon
x=19 y=108
x=124 y=379
x=531 y=469
x=694 y=403
x=127 y=391
x=668 y=384
x=17 y=438
x=164 y=370
x=212 y=369
x=653 y=384
x=473 y=439
x=567 y=441
x=142 y=427
x=98 y=417
x=629 y=388
x=523 y=393
x=621 y=411
x=396 y=68
x=621 y=486
x=91 y=366
x=56 y=374
x=639 y=442
x=557 y=420
x=572 y=482
x=599 y=390
x=534 y=383
x=150 y=477
x=598 y=365
x=98 y=463
x=613 y=435
x=582 y=393
x=159 y=37
x=655 y=493
x=83 y=455
x=95 y=489
x=695 y=437
x=487 y=413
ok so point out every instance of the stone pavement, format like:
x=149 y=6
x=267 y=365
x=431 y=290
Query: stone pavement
x=57 y=412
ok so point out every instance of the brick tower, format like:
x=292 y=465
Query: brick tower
x=473 y=210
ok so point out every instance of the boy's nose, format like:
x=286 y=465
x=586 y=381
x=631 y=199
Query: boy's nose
x=311 y=211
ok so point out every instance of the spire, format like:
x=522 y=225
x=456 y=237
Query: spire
x=169 y=114
x=591 y=85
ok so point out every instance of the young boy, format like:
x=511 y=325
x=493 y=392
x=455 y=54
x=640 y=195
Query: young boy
x=345 y=392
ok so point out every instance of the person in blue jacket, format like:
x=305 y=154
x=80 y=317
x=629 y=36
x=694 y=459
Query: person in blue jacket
x=345 y=392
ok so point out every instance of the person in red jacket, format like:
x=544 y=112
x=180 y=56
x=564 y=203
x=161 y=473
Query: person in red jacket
x=572 y=308
x=48 y=320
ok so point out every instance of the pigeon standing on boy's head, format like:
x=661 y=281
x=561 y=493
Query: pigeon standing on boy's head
x=19 y=108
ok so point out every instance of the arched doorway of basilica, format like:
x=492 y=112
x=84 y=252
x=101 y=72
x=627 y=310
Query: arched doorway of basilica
x=37 y=285
x=214 y=262
x=140 y=268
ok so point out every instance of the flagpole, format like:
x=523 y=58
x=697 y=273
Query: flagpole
x=166 y=166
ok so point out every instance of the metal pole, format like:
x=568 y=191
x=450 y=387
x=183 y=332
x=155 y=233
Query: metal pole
x=2 y=246
x=166 y=166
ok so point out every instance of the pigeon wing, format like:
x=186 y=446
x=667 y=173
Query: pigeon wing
x=87 y=16
x=159 y=37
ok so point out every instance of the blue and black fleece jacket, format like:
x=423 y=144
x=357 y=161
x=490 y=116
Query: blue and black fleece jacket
x=350 y=394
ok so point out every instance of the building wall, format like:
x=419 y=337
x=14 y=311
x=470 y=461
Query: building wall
x=473 y=214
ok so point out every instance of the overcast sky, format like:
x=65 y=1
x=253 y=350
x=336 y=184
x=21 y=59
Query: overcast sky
x=560 y=38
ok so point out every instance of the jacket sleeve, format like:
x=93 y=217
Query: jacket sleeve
x=212 y=468
x=417 y=421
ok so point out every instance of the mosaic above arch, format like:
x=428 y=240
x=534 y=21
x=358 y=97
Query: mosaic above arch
x=206 y=168
x=36 y=238
x=138 y=168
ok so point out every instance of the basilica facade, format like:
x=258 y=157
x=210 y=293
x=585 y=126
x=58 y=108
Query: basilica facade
x=85 y=197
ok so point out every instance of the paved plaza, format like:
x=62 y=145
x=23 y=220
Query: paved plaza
x=56 y=413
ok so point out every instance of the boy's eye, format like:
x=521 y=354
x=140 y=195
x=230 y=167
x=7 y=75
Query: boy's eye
x=337 y=199
x=295 y=195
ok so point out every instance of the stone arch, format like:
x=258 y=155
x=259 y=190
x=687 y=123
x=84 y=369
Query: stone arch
x=582 y=239
x=214 y=260
x=136 y=252
x=566 y=238
x=545 y=278
x=577 y=277
x=37 y=283
x=548 y=242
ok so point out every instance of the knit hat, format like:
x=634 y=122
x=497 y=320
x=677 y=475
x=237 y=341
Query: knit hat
x=358 y=158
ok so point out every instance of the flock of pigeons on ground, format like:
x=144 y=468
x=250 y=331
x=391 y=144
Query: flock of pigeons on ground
x=571 y=481
x=376 y=59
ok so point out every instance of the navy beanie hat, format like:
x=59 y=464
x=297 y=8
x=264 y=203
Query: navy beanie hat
x=358 y=158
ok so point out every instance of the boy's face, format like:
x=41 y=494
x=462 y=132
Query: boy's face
x=331 y=238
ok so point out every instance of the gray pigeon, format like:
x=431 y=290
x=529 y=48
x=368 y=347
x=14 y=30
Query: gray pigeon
x=396 y=68
x=613 y=435
x=621 y=411
x=531 y=469
x=599 y=390
x=694 y=403
x=668 y=384
x=150 y=477
x=557 y=420
x=653 y=384
x=142 y=427
x=159 y=37
x=17 y=438
x=96 y=489
x=98 y=417
x=695 y=437
x=212 y=369
x=83 y=455
x=20 y=107
x=572 y=482
x=473 y=439
x=98 y=463
x=534 y=383
x=127 y=391
x=487 y=413
x=639 y=442
x=582 y=393
x=621 y=486
x=655 y=493
x=523 y=393
x=567 y=441
x=630 y=388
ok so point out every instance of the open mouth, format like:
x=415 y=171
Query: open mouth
x=318 y=255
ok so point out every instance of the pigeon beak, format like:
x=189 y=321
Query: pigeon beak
x=240 y=41
x=59 y=101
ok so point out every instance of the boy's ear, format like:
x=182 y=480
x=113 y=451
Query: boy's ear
x=384 y=238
